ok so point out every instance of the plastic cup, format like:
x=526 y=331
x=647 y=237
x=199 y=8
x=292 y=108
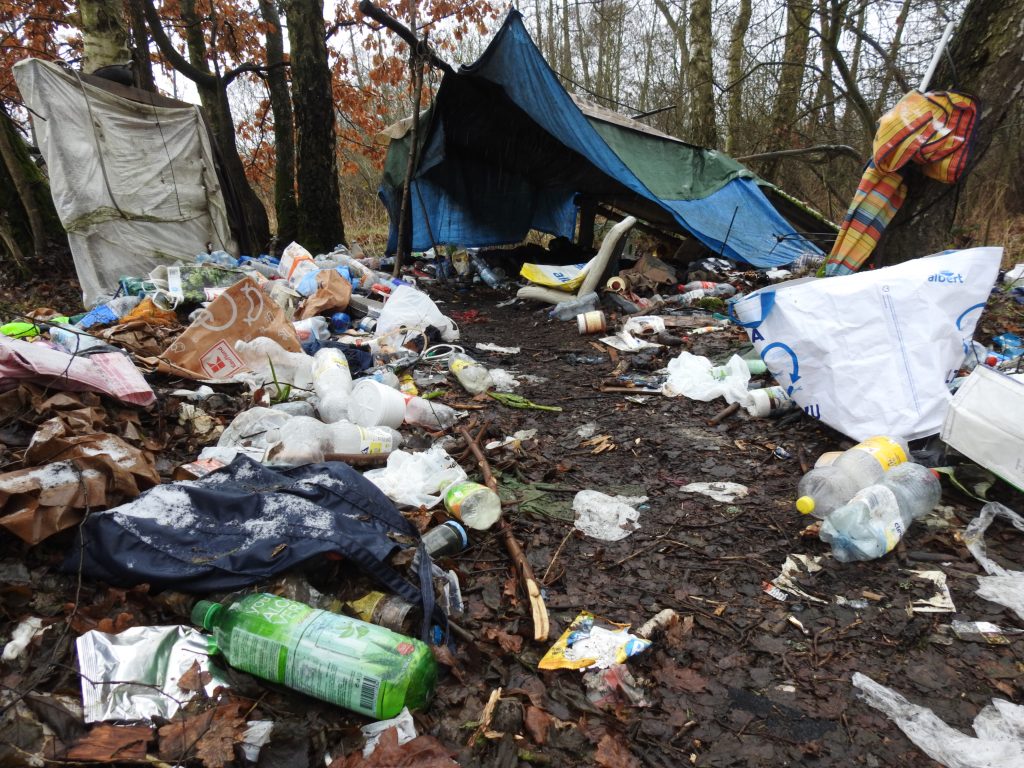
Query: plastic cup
x=373 y=404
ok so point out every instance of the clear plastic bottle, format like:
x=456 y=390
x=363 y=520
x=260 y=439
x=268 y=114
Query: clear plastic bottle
x=473 y=377
x=877 y=517
x=568 y=310
x=304 y=440
x=332 y=381
x=823 y=489
x=475 y=505
x=427 y=413
x=74 y=341
x=722 y=290
x=359 y=666
x=487 y=274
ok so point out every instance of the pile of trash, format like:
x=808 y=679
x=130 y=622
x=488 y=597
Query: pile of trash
x=329 y=467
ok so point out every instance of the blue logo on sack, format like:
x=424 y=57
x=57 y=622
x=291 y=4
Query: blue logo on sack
x=946 y=276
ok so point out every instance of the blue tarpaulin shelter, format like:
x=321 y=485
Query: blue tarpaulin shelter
x=506 y=149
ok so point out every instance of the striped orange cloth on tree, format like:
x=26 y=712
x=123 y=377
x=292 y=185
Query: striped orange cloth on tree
x=932 y=130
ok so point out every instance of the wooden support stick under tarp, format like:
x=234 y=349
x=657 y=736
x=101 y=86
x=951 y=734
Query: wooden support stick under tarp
x=515 y=549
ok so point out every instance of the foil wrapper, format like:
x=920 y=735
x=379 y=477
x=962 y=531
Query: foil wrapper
x=134 y=675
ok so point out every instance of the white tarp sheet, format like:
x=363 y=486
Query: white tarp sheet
x=134 y=185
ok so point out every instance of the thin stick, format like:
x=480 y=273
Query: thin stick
x=515 y=549
x=554 y=557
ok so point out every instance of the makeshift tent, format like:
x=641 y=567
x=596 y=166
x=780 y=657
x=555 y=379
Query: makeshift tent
x=507 y=150
x=134 y=184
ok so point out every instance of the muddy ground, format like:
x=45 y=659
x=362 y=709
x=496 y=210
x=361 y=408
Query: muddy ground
x=743 y=680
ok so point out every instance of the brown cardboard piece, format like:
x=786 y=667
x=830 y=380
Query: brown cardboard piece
x=206 y=350
x=332 y=294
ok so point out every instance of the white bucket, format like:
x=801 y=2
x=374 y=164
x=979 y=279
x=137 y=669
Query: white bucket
x=373 y=404
x=764 y=401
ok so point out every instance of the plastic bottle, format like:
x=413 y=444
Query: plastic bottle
x=110 y=312
x=875 y=519
x=487 y=274
x=568 y=310
x=473 y=377
x=427 y=413
x=691 y=297
x=304 y=440
x=217 y=258
x=359 y=666
x=823 y=489
x=407 y=384
x=475 y=505
x=312 y=328
x=332 y=381
x=271 y=363
x=72 y=341
x=710 y=289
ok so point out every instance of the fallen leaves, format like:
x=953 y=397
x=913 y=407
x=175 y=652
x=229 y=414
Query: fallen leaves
x=421 y=752
x=212 y=733
x=113 y=743
x=612 y=753
x=509 y=643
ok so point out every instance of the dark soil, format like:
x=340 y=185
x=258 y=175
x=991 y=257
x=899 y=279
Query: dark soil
x=743 y=680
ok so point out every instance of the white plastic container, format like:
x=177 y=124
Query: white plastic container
x=296 y=261
x=374 y=404
x=332 y=381
x=876 y=518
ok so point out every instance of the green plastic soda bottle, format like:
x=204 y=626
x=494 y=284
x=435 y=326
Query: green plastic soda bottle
x=359 y=666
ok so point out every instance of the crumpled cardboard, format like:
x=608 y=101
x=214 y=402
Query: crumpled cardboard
x=109 y=372
x=650 y=272
x=71 y=474
x=332 y=294
x=206 y=350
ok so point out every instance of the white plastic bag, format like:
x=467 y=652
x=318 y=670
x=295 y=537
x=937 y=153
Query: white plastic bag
x=870 y=353
x=1001 y=585
x=605 y=517
x=417 y=479
x=255 y=430
x=1000 y=729
x=409 y=308
x=696 y=378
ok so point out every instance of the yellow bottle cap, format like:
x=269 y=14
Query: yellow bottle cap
x=805 y=505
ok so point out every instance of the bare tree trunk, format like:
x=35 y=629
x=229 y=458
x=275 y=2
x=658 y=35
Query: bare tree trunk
x=285 y=206
x=824 y=101
x=791 y=78
x=701 y=77
x=104 y=33
x=30 y=191
x=584 y=49
x=737 y=41
x=319 y=217
x=566 y=60
x=141 y=62
x=890 y=64
x=678 y=27
x=988 y=49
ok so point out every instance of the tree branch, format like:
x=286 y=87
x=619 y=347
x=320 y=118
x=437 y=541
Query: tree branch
x=367 y=8
x=179 y=62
